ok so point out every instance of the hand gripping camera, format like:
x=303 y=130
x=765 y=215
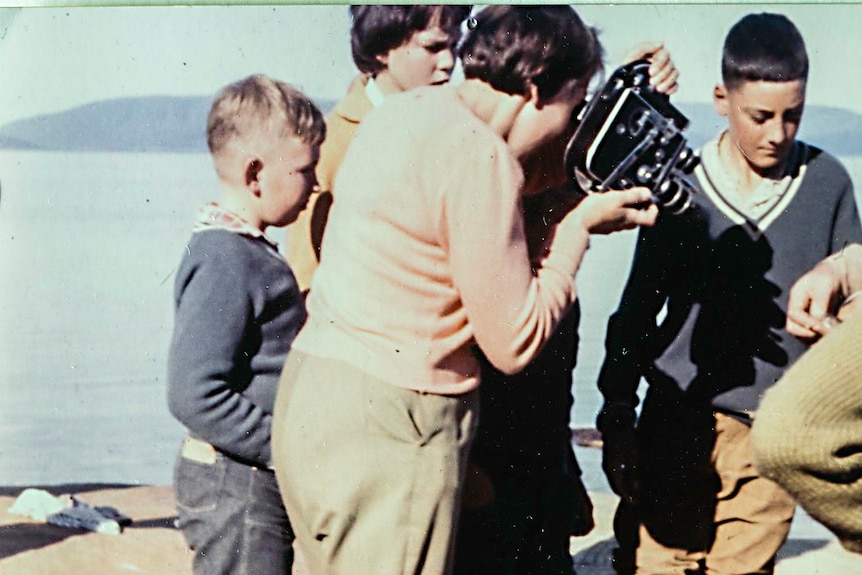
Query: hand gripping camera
x=630 y=135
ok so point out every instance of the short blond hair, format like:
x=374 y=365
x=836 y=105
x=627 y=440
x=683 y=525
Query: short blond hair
x=256 y=104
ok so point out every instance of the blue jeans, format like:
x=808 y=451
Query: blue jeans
x=232 y=516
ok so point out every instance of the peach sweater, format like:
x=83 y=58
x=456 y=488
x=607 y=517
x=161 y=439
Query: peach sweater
x=425 y=253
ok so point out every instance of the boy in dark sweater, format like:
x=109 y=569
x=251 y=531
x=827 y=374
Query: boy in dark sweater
x=238 y=309
x=702 y=320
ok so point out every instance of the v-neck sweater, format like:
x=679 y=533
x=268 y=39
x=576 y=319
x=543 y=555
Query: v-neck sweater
x=702 y=315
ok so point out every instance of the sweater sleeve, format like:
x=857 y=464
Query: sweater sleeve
x=626 y=353
x=208 y=366
x=512 y=311
x=806 y=433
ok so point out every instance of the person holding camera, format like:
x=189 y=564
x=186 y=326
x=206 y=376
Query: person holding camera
x=523 y=495
x=424 y=258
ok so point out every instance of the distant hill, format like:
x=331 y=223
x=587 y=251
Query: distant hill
x=176 y=124
x=837 y=130
x=16 y=144
x=144 y=124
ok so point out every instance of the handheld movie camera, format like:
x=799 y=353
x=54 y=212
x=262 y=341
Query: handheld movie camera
x=630 y=135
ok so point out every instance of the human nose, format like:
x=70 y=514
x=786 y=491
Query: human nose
x=778 y=132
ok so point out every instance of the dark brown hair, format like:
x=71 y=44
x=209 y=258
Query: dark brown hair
x=377 y=29
x=763 y=47
x=511 y=47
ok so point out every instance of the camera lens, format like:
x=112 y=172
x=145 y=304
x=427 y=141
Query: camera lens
x=687 y=161
x=674 y=196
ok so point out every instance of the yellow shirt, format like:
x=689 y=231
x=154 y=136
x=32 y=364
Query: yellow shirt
x=305 y=235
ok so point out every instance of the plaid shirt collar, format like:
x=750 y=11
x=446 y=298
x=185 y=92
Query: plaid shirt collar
x=212 y=216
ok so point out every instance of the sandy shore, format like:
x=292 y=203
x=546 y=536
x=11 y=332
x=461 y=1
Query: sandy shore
x=152 y=545
x=149 y=545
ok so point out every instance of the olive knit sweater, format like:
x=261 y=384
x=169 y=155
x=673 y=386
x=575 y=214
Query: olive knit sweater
x=808 y=432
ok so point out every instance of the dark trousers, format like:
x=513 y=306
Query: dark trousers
x=523 y=495
x=520 y=522
x=517 y=533
x=232 y=516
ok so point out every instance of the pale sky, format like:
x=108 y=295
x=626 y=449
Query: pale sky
x=53 y=59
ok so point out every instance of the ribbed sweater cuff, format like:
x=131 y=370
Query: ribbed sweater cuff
x=567 y=252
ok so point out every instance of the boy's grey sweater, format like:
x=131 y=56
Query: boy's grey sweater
x=722 y=342
x=238 y=309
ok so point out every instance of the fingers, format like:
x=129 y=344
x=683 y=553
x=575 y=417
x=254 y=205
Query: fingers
x=630 y=197
x=633 y=213
x=631 y=218
x=811 y=299
x=666 y=83
x=808 y=317
x=625 y=210
x=642 y=217
x=798 y=301
x=818 y=304
x=663 y=73
x=818 y=326
x=659 y=58
x=827 y=324
x=641 y=51
x=800 y=322
x=662 y=70
x=616 y=210
x=799 y=328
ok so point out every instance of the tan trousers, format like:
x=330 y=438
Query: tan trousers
x=710 y=512
x=370 y=473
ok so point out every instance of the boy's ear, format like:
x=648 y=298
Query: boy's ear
x=720 y=100
x=253 y=166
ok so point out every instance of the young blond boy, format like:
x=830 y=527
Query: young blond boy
x=238 y=308
x=769 y=209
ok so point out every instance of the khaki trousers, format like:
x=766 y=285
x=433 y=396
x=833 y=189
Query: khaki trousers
x=370 y=473
x=704 y=508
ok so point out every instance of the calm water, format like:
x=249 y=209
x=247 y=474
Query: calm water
x=88 y=246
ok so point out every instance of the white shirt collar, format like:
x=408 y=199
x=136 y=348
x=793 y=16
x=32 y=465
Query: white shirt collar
x=761 y=199
x=757 y=212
